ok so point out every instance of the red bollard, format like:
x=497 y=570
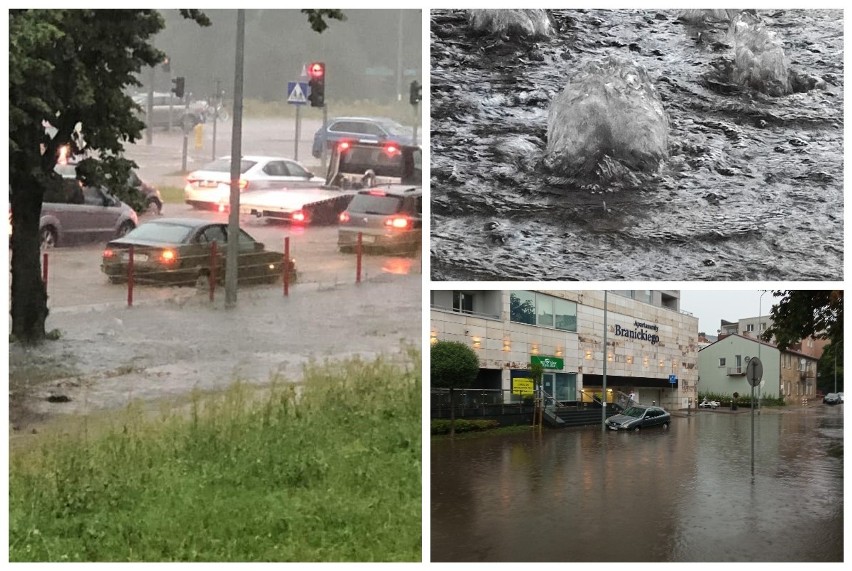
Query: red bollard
x=212 y=277
x=286 y=266
x=44 y=271
x=358 y=258
x=130 y=278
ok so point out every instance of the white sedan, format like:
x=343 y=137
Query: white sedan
x=209 y=186
x=708 y=404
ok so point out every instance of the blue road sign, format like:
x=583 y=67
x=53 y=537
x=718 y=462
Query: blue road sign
x=297 y=92
x=673 y=379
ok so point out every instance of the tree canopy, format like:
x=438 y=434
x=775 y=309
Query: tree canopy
x=800 y=314
x=453 y=365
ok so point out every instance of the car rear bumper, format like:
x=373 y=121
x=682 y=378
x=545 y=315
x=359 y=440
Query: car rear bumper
x=373 y=240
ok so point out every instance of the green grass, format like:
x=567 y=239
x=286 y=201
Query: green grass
x=171 y=194
x=329 y=473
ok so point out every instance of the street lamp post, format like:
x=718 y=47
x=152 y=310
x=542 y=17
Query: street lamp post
x=759 y=317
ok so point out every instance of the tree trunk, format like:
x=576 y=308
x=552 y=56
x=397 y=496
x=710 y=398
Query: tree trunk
x=29 y=296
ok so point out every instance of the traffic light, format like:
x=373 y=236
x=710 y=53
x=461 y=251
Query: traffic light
x=180 y=84
x=415 y=93
x=316 y=72
x=167 y=65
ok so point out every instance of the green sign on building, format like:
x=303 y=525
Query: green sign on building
x=549 y=362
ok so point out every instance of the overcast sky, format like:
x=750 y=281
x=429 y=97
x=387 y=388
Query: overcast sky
x=711 y=307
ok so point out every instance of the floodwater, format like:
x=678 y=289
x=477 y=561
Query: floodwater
x=752 y=188
x=683 y=494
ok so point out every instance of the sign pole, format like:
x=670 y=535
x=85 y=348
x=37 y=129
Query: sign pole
x=298 y=134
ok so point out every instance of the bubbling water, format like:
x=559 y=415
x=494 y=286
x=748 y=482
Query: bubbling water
x=531 y=23
x=759 y=59
x=609 y=111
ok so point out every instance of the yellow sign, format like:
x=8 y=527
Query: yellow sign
x=523 y=387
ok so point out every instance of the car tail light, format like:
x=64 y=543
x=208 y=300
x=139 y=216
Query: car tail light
x=243 y=184
x=222 y=207
x=109 y=253
x=344 y=217
x=168 y=256
x=299 y=216
x=399 y=222
x=378 y=193
x=391 y=149
x=343 y=146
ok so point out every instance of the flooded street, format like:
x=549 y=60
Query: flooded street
x=684 y=494
x=752 y=188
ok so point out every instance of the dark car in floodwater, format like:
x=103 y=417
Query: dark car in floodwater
x=832 y=398
x=638 y=416
x=179 y=251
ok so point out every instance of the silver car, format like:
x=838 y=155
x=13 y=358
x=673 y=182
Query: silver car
x=639 y=416
x=73 y=213
x=166 y=106
x=388 y=219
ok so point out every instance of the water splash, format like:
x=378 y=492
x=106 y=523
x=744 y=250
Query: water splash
x=699 y=16
x=609 y=113
x=759 y=59
x=529 y=23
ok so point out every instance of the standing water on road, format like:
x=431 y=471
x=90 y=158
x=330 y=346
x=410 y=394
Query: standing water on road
x=703 y=145
x=682 y=494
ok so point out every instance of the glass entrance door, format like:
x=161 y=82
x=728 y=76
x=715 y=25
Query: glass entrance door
x=547 y=384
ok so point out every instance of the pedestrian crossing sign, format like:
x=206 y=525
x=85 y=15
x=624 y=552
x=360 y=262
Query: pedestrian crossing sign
x=297 y=92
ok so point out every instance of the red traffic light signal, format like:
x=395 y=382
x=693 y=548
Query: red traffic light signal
x=316 y=70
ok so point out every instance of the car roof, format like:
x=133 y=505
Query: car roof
x=258 y=158
x=411 y=191
x=367 y=119
x=188 y=222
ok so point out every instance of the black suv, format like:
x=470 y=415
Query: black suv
x=389 y=220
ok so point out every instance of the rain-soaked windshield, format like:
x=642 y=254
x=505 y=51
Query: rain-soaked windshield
x=634 y=411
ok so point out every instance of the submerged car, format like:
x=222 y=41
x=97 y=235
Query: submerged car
x=388 y=220
x=636 y=417
x=210 y=186
x=708 y=404
x=179 y=251
x=72 y=213
x=832 y=398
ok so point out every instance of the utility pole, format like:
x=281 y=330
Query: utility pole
x=603 y=393
x=399 y=59
x=149 y=109
x=217 y=102
x=236 y=155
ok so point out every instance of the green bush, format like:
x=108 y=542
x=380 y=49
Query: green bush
x=724 y=399
x=441 y=426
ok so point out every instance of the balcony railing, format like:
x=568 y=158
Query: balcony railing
x=736 y=371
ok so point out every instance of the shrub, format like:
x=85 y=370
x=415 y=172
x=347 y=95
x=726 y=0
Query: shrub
x=441 y=426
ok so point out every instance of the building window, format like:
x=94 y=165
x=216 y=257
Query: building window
x=462 y=302
x=750 y=327
x=542 y=310
x=522 y=307
x=544 y=307
x=566 y=314
x=721 y=361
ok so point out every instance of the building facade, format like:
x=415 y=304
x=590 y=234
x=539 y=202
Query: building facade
x=640 y=340
x=722 y=366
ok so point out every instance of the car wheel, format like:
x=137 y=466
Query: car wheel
x=202 y=283
x=636 y=429
x=125 y=227
x=48 y=238
x=665 y=425
x=154 y=207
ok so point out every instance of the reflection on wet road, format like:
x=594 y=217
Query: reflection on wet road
x=683 y=494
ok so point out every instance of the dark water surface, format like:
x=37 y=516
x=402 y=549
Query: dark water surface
x=682 y=494
x=752 y=189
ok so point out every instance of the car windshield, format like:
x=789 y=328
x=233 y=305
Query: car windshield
x=375 y=204
x=160 y=232
x=634 y=411
x=224 y=165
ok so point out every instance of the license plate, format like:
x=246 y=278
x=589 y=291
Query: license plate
x=136 y=257
x=366 y=239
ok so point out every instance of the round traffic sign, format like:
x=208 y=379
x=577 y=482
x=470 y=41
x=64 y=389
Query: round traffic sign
x=754 y=371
